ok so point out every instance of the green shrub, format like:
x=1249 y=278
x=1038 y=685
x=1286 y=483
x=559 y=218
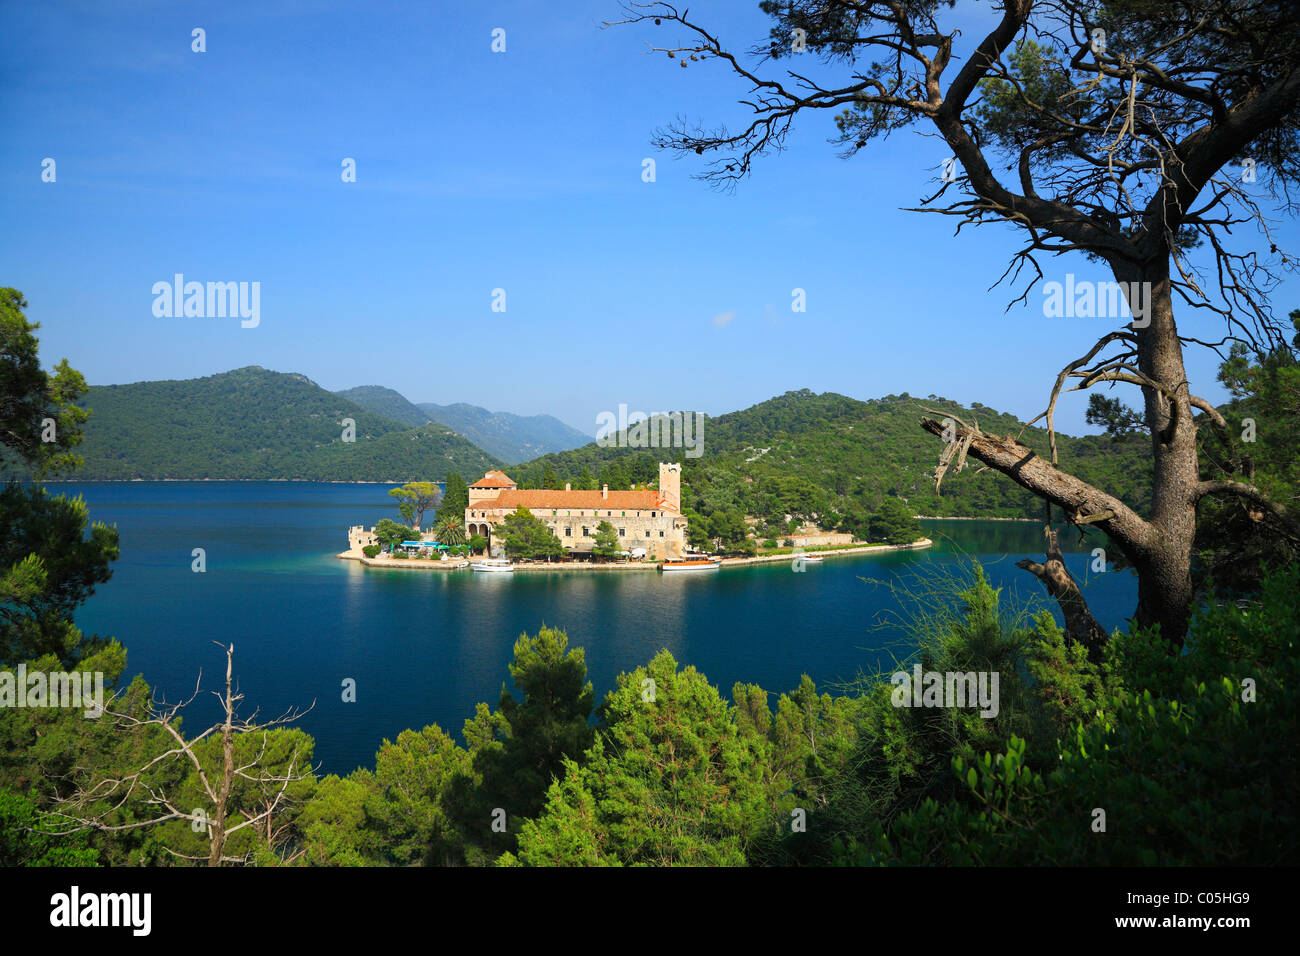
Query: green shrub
x=370 y=550
x=1191 y=757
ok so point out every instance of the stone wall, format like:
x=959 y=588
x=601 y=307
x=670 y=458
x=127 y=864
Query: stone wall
x=663 y=536
x=814 y=540
x=359 y=537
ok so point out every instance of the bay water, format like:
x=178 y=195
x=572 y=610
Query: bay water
x=425 y=646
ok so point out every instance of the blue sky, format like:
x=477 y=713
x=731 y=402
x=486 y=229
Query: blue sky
x=479 y=170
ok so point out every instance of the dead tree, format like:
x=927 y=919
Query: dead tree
x=95 y=803
x=1080 y=625
x=1116 y=125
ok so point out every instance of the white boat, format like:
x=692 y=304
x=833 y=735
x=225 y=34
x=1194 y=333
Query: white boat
x=690 y=563
x=810 y=558
x=495 y=565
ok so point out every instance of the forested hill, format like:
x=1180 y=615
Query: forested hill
x=806 y=452
x=387 y=403
x=253 y=423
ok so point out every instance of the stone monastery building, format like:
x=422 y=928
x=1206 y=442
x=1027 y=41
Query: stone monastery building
x=644 y=519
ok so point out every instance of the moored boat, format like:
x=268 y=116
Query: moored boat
x=690 y=563
x=495 y=565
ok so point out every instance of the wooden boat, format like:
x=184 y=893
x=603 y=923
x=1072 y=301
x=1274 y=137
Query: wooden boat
x=495 y=566
x=690 y=563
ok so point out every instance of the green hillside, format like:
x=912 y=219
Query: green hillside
x=804 y=453
x=257 y=424
x=388 y=403
x=800 y=453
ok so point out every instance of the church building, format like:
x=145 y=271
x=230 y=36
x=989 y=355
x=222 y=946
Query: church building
x=646 y=519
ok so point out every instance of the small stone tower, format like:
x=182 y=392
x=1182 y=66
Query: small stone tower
x=670 y=484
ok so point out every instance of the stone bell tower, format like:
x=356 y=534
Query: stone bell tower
x=670 y=484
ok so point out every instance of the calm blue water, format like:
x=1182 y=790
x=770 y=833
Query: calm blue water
x=425 y=647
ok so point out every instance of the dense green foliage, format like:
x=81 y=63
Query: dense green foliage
x=51 y=559
x=605 y=541
x=389 y=534
x=30 y=837
x=450 y=531
x=51 y=555
x=893 y=523
x=256 y=424
x=723 y=530
x=415 y=498
x=40 y=419
x=386 y=403
x=1235 y=538
x=1191 y=757
x=839 y=459
x=525 y=537
x=672 y=780
x=455 y=498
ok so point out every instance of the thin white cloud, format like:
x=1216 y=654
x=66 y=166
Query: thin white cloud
x=723 y=319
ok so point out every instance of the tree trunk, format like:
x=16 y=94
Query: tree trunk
x=1159 y=546
x=1164 y=563
x=218 y=823
x=1080 y=625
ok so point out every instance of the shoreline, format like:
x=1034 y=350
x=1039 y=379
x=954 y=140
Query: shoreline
x=389 y=481
x=286 y=481
x=918 y=545
x=968 y=518
x=392 y=481
x=422 y=564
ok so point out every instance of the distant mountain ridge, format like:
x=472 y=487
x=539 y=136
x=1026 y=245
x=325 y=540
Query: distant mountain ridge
x=252 y=423
x=801 y=450
x=388 y=403
x=512 y=438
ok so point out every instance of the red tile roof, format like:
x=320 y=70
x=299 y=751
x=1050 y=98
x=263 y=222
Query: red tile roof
x=494 y=479
x=546 y=499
